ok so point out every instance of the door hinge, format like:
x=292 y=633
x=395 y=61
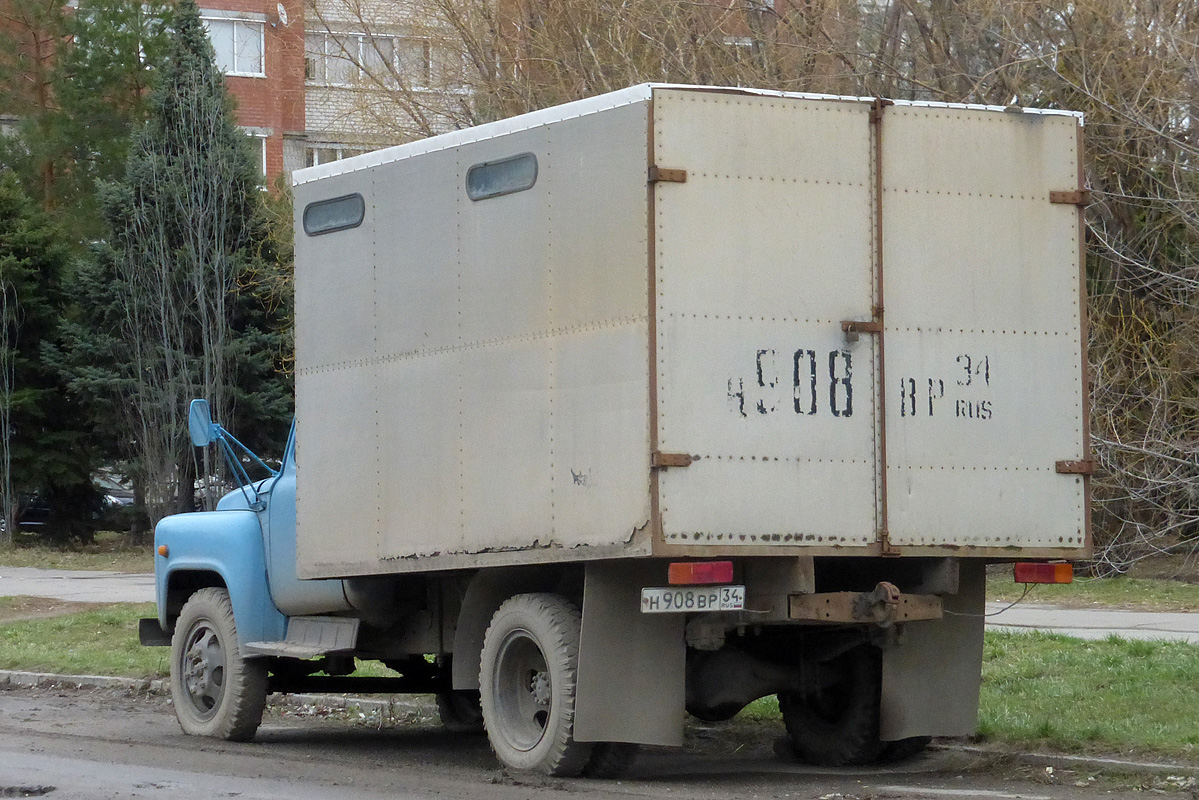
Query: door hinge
x=1074 y=197
x=1084 y=466
x=662 y=175
x=660 y=460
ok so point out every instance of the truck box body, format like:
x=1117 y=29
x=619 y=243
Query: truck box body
x=694 y=322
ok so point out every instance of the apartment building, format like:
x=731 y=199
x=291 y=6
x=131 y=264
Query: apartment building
x=259 y=46
x=318 y=81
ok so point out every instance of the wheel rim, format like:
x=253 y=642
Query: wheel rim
x=523 y=690
x=203 y=669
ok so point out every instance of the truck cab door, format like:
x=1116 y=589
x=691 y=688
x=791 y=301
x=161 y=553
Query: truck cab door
x=292 y=596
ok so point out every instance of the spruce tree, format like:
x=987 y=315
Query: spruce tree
x=168 y=320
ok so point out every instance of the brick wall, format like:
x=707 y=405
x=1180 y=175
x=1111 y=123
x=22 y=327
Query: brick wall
x=270 y=106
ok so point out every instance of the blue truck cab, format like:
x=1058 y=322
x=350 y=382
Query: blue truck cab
x=229 y=575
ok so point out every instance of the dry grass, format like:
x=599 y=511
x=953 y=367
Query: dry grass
x=113 y=552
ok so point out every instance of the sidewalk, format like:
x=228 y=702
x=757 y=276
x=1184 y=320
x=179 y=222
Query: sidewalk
x=1095 y=623
x=81 y=586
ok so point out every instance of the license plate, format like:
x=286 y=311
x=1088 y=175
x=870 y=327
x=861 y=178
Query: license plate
x=692 y=598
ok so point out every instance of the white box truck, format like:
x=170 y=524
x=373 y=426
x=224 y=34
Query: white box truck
x=665 y=400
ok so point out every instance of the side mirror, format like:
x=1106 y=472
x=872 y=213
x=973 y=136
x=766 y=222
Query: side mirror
x=199 y=424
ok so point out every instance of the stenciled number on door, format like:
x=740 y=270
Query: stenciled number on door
x=819 y=383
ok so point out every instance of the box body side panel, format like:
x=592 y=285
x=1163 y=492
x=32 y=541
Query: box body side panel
x=494 y=394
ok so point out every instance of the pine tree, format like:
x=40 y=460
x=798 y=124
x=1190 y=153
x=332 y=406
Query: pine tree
x=31 y=36
x=44 y=448
x=77 y=83
x=101 y=85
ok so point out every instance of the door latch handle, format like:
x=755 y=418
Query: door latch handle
x=852 y=328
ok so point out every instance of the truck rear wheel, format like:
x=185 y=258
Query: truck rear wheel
x=215 y=691
x=527 y=684
x=837 y=724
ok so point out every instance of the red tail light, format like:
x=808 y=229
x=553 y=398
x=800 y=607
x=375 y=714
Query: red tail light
x=683 y=573
x=1027 y=572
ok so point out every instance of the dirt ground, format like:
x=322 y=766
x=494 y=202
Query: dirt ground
x=20 y=608
x=85 y=745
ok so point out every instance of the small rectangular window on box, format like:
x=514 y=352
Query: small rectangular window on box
x=506 y=176
x=335 y=214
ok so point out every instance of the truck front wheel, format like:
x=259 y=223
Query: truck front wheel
x=215 y=691
x=837 y=724
x=527 y=684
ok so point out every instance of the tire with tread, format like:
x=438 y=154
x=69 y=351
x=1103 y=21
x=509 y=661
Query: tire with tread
x=527 y=684
x=838 y=725
x=215 y=690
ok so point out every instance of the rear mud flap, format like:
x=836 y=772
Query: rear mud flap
x=931 y=679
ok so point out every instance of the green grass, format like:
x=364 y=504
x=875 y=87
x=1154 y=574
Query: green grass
x=98 y=642
x=1114 y=695
x=1132 y=593
x=111 y=552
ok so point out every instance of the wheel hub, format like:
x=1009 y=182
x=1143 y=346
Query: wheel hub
x=523 y=690
x=203 y=670
x=539 y=687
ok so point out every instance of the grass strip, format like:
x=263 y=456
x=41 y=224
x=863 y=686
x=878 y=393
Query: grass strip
x=111 y=552
x=98 y=642
x=1129 y=696
x=1141 y=594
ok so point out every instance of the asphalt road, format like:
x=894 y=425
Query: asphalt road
x=81 y=586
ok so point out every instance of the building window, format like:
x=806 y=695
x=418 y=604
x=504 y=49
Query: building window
x=238 y=44
x=348 y=59
x=259 y=147
x=325 y=153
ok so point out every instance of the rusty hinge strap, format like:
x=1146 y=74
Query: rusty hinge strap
x=1076 y=467
x=861 y=326
x=662 y=175
x=876 y=109
x=660 y=460
x=1074 y=197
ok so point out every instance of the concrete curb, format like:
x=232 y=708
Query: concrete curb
x=1077 y=763
x=49 y=680
x=425 y=705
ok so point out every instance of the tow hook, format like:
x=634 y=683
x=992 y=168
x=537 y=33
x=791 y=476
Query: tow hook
x=880 y=606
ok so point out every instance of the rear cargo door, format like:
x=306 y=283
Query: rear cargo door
x=984 y=358
x=758 y=255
